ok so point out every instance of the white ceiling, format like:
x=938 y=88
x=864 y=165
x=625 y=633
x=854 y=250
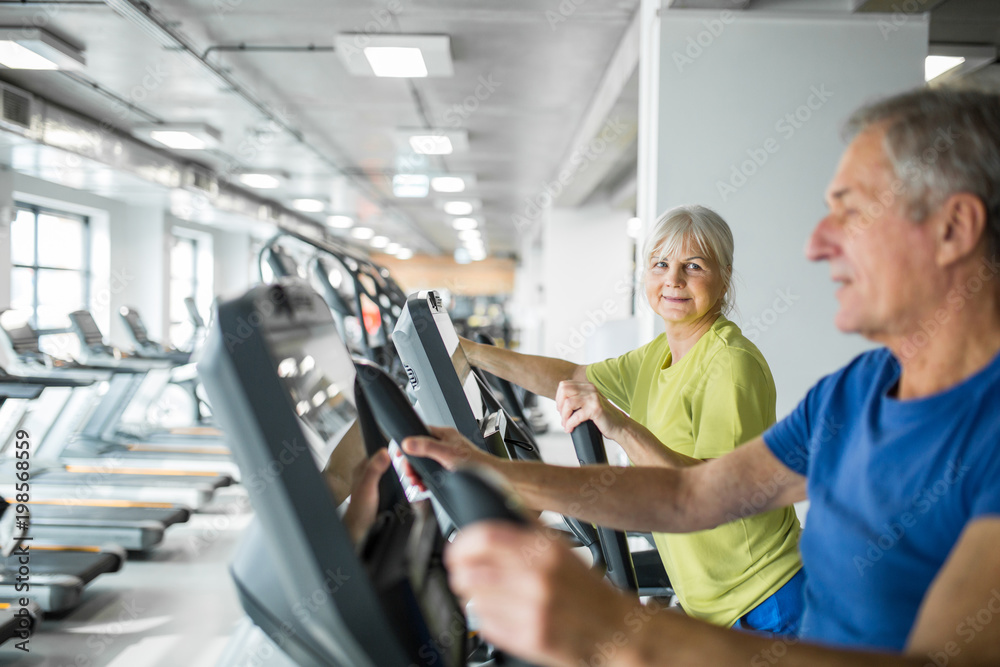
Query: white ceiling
x=526 y=74
x=539 y=75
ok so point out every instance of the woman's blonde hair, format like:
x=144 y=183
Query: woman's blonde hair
x=701 y=227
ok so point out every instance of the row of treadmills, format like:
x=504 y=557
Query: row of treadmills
x=331 y=354
x=102 y=478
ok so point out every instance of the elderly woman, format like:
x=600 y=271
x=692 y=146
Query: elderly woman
x=693 y=393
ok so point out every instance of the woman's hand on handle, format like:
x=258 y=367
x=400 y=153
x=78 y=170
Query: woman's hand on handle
x=578 y=402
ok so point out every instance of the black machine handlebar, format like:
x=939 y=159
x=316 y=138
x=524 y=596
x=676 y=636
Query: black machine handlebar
x=589 y=445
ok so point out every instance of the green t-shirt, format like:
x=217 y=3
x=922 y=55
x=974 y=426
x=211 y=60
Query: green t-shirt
x=718 y=396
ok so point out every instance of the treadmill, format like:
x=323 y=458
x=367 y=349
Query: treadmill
x=57 y=574
x=144 y=347
x=113 y=480
x=132 y=526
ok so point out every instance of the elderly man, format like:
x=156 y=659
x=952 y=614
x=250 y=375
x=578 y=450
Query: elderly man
x=898 y=452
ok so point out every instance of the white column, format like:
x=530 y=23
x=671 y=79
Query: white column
x=748 y=109
x=586 y=276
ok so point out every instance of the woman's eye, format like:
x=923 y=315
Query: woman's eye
x=659 y=265
x=694 y=267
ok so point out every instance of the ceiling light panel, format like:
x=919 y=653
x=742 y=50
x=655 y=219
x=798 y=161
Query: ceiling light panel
x=308 y=205
x=399 y=56
x=340 y=221
x=260 y=181
x=448 y=184
x=410 y=185
x=464 y=223
x=180 y=136
x=432 y=141
x=34 y=48
x=458 y=207
x=363 y=233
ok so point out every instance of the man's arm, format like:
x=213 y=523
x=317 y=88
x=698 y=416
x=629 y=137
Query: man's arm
x=539 y=375
x=746 y=481
x=539 y=601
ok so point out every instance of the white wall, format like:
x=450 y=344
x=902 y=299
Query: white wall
x=586 y=267
x=730 y=94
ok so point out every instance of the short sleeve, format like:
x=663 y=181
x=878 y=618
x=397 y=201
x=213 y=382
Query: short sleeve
x=616 y=378
x=987 y=499
x=789 y=438
x=734 y=404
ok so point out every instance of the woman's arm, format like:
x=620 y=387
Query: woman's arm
x=580 y=401
x=539 y=375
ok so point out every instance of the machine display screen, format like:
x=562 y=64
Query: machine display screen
x=317 y=371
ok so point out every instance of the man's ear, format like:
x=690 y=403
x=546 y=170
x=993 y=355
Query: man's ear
x=961 y=226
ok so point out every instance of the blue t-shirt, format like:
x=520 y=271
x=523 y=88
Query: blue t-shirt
x=892 y=484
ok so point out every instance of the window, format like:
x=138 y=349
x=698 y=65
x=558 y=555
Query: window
x=183 y=284
x=50 y=272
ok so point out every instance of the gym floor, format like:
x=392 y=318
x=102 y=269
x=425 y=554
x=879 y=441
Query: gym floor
x=173 y=606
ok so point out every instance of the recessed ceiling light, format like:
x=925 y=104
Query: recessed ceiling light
x=393 y=248
x=469 y=234
x=340 y=221
x=935 y=66
x=477 y=254
x=448 y=184
x=388 y=55
x=401 y=62
x=260 y=181
x=180 y=136
x=458 y=208
x=410 y=185
x=432 y=141
x=363 y=233
x=308 y=205
x=379 y=241
x=462 y=256
x=464 y=223
x=431 y=144
x=33 y=48
x=404 y=253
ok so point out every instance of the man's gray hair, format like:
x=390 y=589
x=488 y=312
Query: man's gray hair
x=941 y=142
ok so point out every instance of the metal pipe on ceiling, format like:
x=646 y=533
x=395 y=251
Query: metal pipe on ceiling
x=145 y=17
